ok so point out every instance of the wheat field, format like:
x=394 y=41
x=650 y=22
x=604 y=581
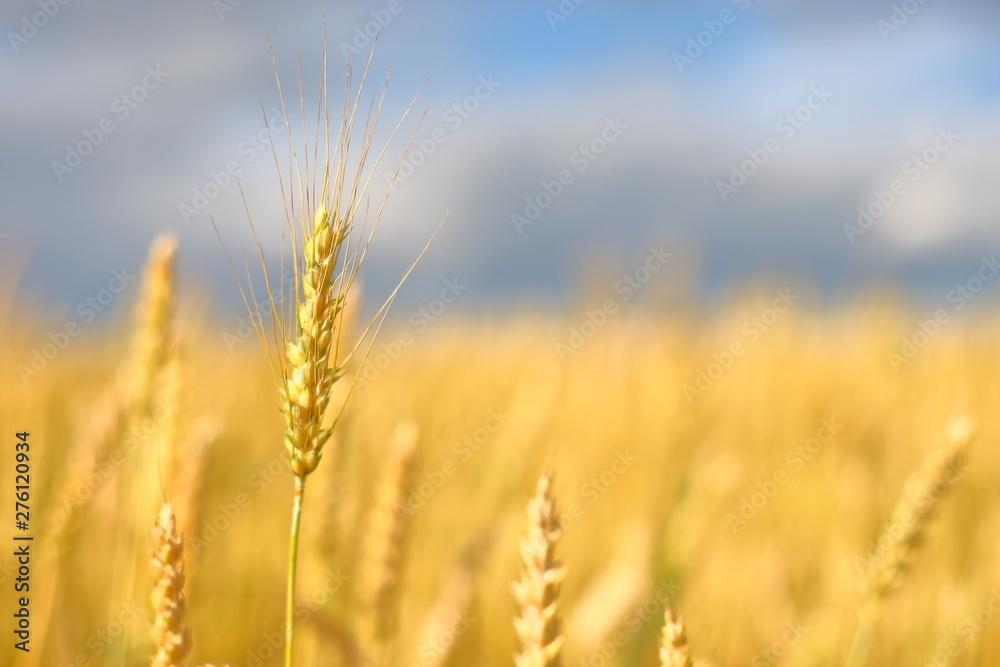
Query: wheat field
x=756 y=508
x=772 y=478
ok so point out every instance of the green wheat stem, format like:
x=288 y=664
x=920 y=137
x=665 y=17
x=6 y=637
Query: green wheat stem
x=293 y=566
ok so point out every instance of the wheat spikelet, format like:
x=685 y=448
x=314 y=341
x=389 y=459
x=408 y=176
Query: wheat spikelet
x=673 y=641
x=309 y=356
x=906 y=531
x=537 y=592
x=335 y=487
x=922 y=495
x=171 y=640
x=383 y=544
x=153 y=343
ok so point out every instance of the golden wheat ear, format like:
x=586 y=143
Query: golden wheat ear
x=154 y=340
x=171 y=639
x=125 y=403
x=673 y=641
x=906 y=531
x=537 y=592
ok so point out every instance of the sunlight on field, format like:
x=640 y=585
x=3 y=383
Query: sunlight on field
x=740 y=463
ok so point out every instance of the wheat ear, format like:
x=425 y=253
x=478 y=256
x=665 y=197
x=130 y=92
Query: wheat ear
x=900 y=539
x=127 y=401
x=326 y=201
x=383 y=546
x=537 y=592
x=673 y=641
x=171 y=639
x=154 y=339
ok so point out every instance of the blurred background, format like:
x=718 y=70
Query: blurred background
x=725 y=253
x=513 y=92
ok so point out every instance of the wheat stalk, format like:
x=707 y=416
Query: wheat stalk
x=673 y=641
x=171 y=639
x=383 y=546
x=330 y=240
x=537 y=592
x=906 y=531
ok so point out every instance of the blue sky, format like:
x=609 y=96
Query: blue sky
x=657 y=182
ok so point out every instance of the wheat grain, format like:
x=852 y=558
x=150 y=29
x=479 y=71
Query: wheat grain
x=309 y=372
x=673 y=641
x=171 y=639
x=537 y=592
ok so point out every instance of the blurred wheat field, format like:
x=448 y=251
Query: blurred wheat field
x=751 y=507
